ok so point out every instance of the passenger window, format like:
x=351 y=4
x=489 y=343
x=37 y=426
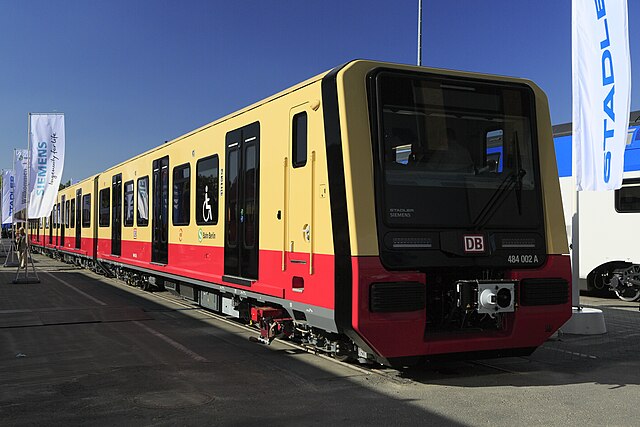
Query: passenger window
x=299 y=139
x=143 y=201
x=104 y=207
x=181 y=194
x=128 y=204
x=66 y=214
x=86 y=210
x=207 y=191
x=72 y=213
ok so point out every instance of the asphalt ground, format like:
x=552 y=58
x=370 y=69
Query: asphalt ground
x=80 y=349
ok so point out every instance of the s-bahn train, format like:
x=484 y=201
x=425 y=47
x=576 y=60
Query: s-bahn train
x=376 y=211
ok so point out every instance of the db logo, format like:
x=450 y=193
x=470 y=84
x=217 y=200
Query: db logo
x=473 y=243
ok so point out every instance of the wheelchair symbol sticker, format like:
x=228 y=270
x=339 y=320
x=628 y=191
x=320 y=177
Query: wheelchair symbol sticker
x=207 y=213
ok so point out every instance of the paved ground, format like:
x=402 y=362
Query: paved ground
x=79 y=349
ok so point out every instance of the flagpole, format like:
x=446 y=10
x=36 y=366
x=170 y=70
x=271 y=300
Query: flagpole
x=27 y=253
x=419 y=33
x=8 y=262
x=13 y=217
x=2 y=207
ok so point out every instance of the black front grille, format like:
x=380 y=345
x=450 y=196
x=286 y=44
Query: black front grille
x=396 y=297
x=551 y=291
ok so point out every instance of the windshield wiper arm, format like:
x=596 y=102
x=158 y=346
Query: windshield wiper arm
x=498 y=197
x=521 y=173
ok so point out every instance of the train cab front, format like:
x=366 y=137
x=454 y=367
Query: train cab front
x=465 y=262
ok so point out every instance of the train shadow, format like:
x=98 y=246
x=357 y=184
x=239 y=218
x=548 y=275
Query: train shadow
x=171 y=365
x=608 y=359
x=158 y=364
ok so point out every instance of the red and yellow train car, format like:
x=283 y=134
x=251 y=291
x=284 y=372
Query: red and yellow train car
x=377 y=211
x=68 y=232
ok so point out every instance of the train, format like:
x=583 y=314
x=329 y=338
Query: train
x=378 y=212
x=603 y=223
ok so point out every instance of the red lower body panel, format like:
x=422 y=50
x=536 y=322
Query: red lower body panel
x=85 y=250
x=297 y=282
x=312 y=281
x=405 y=334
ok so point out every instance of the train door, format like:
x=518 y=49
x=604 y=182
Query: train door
x=298 y=211
x=241 y=202
x=57 y=224
x=61 y=219
x=116 y=214
x=78 y=219
x=160 y=214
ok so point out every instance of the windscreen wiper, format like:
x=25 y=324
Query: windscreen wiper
x=521 y=173
x=513 y=179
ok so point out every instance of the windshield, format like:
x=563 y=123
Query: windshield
x=456 y=152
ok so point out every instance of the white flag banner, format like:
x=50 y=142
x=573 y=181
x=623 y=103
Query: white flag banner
x=601 y=91
x=8 y=183
x=20 y=165
x=47 y=162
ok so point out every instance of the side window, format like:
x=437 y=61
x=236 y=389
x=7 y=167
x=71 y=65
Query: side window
x=72 y=212
x=143 y=201
x=104 y=207
x=128 y=204
x=628 y=197
x=66 y=213
x=495 y=150
x=181 y=194
x=86 y=211
x=207 y=191
x=299 y=139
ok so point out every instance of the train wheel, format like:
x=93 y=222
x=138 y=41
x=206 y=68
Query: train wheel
x=346 y=358
x=629 y=294
x=345 y=352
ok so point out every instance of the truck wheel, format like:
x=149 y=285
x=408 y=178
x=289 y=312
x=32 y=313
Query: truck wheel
x=629 y=294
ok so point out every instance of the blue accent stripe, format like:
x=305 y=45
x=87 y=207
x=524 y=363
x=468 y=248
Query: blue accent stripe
x=632 y=151
x=564 y=147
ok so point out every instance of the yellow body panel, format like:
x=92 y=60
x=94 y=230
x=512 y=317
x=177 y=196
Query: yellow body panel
x=276 y=176
x=294 y=204
x=69 y=193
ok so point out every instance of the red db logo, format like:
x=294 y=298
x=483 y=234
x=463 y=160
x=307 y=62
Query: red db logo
x=473 y=243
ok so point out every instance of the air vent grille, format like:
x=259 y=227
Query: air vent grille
x=551 y=291
x=397 y=297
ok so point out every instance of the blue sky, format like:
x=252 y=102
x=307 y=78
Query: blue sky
x=130 y=74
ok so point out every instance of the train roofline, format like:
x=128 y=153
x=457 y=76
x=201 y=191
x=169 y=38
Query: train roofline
x=312 y=80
